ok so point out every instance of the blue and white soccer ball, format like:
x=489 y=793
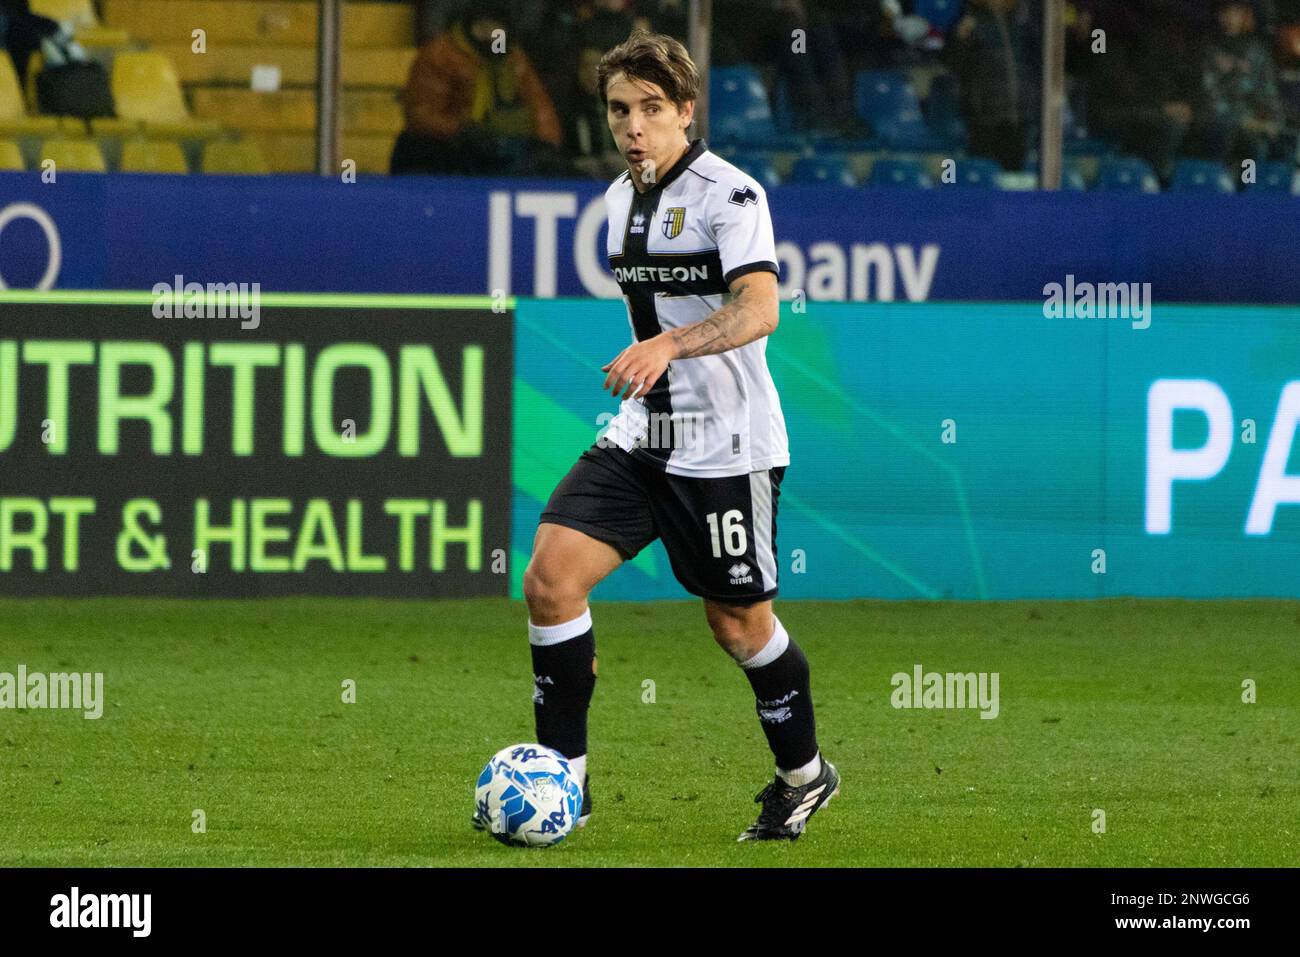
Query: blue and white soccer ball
x=527 y=795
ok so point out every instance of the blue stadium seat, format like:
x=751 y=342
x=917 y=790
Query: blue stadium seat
x=907 y=173
x=759 y=166
x=827 y=170
x=738 y=105
x=1072 y=179
x=943 y=112
x=977 y=172
x=1127 y=174
x=739 y=111
x=1201 y=176
x=887 y=100
x=1274 y=177
x=940 y=14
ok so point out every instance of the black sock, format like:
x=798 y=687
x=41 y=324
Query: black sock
x=783 y=699
x=564 y=677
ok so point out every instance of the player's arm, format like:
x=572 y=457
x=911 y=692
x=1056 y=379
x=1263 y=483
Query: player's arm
x=751 y=314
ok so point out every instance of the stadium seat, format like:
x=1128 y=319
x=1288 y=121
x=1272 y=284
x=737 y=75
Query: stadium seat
x=940 y=14
x=80 y=16
x=887 y=100
x=152 y=156
x=230 y=158
x=977 y=172
x=738 y=105
x=908 y=173
x=145 y=88
x=260 y=22
x=11 y=157
x=823 y=170
x=14 y=120
x=233 y=65
x=1126 y=174
x=943 y=112
x=1200 y=176
x=759 y=166
x=74 y=13
x=74 y=156
x=1274 y=177
x=739 y=111
x=1072 y=178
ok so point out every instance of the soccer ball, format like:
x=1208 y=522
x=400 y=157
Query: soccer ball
x=527 y=795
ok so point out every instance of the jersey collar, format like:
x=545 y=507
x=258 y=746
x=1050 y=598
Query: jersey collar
x=693 y=152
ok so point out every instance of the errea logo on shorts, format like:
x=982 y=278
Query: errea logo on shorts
x=740 y=574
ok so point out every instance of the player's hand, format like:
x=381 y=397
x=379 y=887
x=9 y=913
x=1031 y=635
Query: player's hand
x=634 y=370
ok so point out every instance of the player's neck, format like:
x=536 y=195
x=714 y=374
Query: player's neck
x=672 y=160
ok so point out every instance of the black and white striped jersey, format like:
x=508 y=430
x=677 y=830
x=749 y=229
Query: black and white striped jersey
x=674 y=250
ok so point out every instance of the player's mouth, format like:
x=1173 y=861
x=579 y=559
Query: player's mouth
x=636 y=155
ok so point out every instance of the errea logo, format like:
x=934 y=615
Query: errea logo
x=740 y=574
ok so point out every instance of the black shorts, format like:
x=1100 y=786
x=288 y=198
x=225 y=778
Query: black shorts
x=720 y=533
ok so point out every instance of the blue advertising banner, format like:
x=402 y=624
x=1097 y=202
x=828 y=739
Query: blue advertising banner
x=545 y=238
x=980 y=450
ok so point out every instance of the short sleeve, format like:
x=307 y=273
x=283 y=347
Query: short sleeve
x=742 y=228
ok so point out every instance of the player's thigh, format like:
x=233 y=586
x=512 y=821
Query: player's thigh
x=720 y=535
x=598 y=516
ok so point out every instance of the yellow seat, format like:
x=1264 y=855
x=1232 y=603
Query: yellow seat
x=114 y=126
x=74 y=156
x=14 y=120
x=145 y=88
x=75 y=13
x=11 y=157
x=234 y=159
x=187 y=130
x=153 y=156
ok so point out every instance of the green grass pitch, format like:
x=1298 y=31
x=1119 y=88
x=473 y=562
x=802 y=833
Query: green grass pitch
x=1131 y=707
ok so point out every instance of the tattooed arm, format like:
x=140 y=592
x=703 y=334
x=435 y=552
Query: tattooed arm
x=751 y=314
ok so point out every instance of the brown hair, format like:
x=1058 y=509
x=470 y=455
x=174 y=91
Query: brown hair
x=653 y=58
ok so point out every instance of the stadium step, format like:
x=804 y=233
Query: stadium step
x=296 y=152
x=246 y=22
x=380 y=67
x=361 y=111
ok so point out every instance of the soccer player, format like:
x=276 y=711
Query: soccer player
x=697 y=451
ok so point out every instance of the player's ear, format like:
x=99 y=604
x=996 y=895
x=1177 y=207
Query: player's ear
x=687 y=112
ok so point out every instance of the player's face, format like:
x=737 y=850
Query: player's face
x=648 y=128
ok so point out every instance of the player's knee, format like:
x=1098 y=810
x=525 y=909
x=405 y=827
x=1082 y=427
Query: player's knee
x=550 y=594
x=739 y=633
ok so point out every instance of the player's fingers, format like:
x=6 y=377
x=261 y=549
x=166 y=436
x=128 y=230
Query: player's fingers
x=615 y=373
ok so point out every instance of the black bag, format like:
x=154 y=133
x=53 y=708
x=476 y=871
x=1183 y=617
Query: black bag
x=74 y=89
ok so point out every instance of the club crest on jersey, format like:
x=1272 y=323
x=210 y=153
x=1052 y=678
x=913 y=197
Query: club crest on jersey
x=674 y=220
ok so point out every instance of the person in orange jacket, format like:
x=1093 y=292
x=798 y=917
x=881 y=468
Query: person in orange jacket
x=475 y=105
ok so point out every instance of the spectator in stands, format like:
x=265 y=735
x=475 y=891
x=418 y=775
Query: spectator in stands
x=475 y=105
x=815 y=74
x=1242 y=112
x=1145 y=89
x=994 y=52
x=587 y=139
x=22 y=33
